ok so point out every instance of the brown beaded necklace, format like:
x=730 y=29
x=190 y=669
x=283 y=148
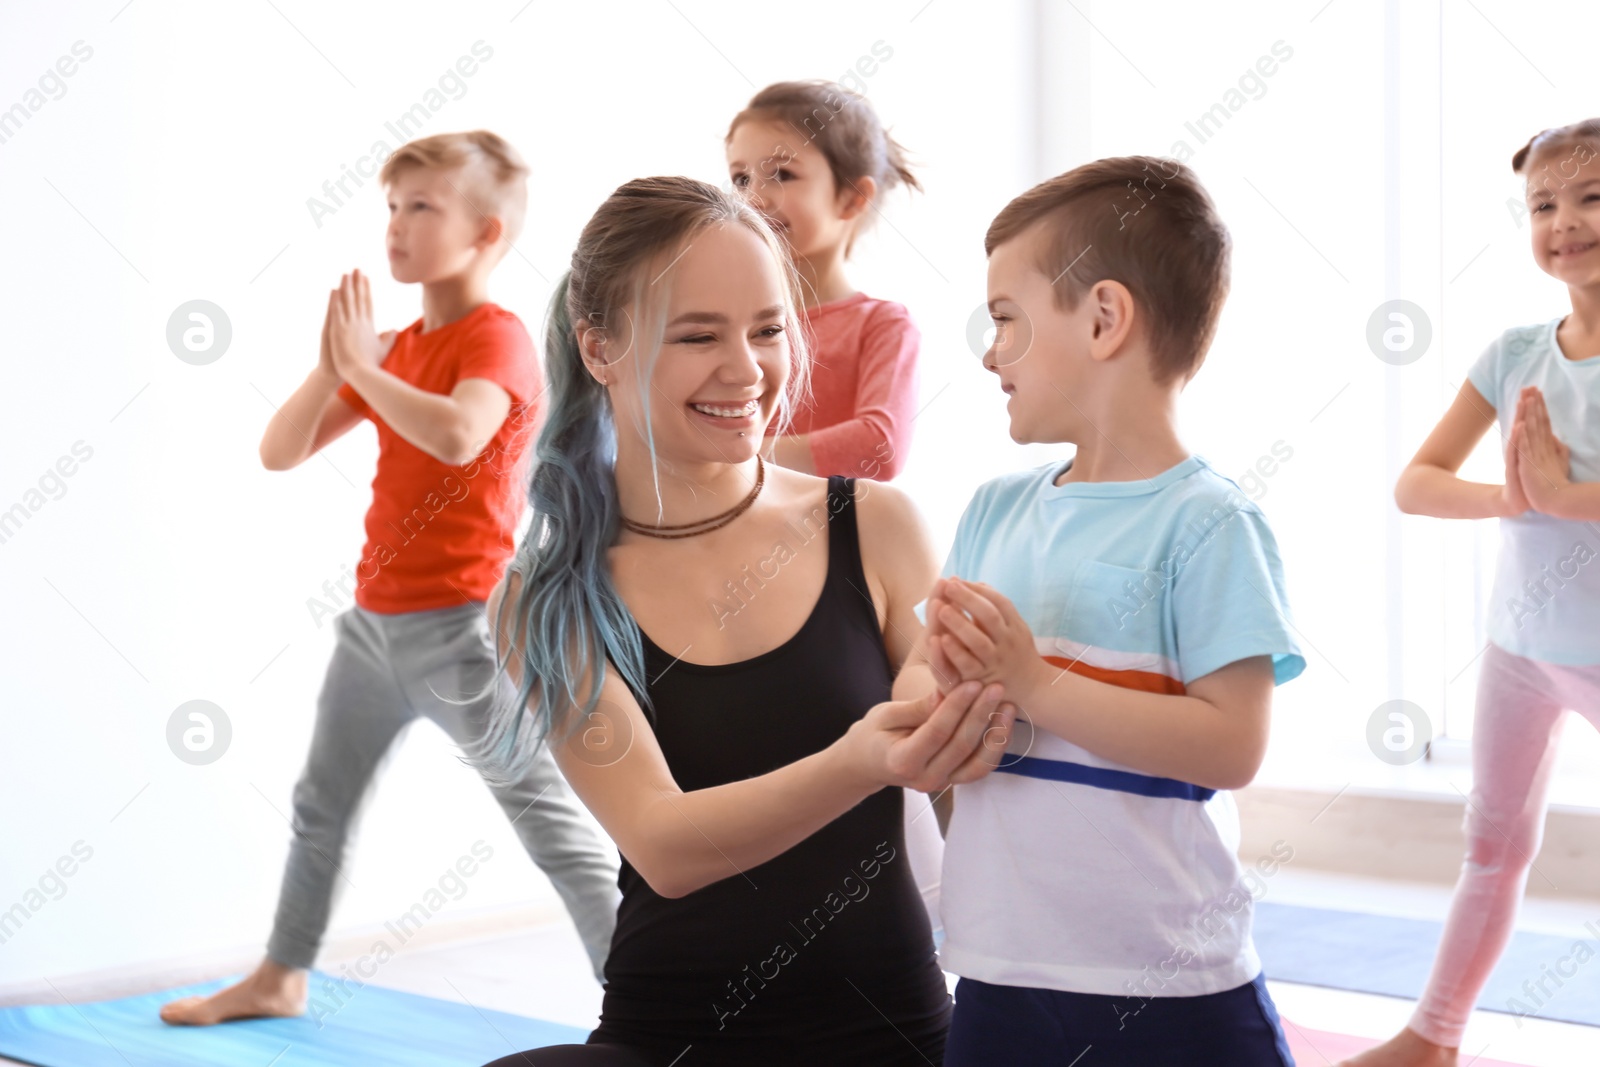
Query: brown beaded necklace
x=715 y=522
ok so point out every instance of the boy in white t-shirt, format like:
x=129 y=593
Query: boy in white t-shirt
x=1132 y=603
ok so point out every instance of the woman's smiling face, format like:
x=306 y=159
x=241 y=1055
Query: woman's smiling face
x=725 y=351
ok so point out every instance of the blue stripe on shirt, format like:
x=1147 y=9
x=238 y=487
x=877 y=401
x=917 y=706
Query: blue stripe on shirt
x=1105 y=778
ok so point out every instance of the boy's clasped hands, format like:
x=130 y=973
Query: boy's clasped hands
x=975 y=633
x=981 y=656
x=1536 y=460
x=350 y=340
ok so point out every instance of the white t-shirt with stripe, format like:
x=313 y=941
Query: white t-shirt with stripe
x=1066 y=871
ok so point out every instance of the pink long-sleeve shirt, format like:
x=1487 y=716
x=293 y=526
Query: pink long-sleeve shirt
x=863 y=387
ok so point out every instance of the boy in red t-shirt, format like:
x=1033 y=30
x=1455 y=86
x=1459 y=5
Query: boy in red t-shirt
x=455 y=398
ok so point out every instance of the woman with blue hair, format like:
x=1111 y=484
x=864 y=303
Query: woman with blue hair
x=708 y=645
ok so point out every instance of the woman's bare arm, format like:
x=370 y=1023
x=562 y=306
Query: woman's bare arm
x=681 y=841
x=900 y=561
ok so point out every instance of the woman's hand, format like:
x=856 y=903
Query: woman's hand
x=935 y=741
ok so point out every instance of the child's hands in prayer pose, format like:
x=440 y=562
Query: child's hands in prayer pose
x=975 y=633
x=1542 y=460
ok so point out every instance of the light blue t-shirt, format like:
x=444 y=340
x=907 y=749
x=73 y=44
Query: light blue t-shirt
x=1064 y=870
x=1104 y=563
x=1546 y=600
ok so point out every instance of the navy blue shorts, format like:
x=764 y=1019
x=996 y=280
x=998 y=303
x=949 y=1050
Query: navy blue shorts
x=1000 y=1025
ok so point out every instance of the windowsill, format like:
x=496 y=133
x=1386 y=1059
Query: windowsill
x=1317 y=765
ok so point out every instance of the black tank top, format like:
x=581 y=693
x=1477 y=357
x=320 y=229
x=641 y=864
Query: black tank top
x=822 y=955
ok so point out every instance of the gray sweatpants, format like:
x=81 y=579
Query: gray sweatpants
x=385 y=672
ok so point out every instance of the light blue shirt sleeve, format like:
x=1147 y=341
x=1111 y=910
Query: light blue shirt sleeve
x=1229 y=602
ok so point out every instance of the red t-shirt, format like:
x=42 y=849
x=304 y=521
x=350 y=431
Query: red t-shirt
x=438 y=535
x=863 y=387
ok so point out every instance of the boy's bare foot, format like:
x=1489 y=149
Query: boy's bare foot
x=1405 y=1049
x=270 y=990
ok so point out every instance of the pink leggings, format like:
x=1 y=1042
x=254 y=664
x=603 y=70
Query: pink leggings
x=1517 y=727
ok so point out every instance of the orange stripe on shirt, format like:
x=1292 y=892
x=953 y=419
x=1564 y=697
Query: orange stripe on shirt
x=1144 y=681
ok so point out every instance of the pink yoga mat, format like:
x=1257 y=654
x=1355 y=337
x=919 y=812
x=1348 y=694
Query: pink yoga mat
x=1318 y=1048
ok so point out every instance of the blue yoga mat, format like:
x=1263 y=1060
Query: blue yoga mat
x=371 y=1025
x=1381 y=954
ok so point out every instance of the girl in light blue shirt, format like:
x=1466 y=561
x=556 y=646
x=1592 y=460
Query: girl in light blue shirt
x=1542 y=383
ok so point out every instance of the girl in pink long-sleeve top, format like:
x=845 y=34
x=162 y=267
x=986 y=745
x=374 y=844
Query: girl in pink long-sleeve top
x=814 y=159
